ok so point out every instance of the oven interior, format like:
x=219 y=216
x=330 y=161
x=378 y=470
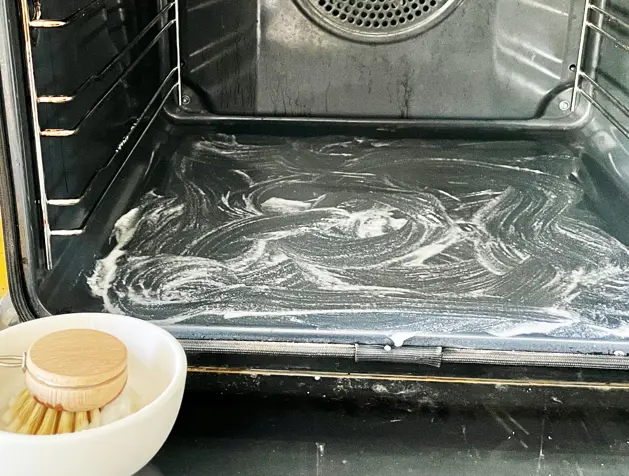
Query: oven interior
x=427 y=175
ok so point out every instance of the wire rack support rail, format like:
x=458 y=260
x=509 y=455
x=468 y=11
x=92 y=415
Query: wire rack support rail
x=595 y=18
x=168 y=19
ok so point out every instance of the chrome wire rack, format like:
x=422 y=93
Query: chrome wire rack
x=168 y=20
x=596 y=22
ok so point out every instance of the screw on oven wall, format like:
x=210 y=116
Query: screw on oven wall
x=564 y=105
x=185 y=99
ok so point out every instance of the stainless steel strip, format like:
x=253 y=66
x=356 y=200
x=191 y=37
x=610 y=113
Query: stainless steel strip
x=523 y=382
x=405 y=355
x=39 y=161
x=359 y=353
x=270 y=348
x=577 y=76
x=534 y=359
x=178 y=47
x=433 y=356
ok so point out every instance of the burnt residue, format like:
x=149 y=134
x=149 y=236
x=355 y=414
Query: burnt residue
x=352 y=233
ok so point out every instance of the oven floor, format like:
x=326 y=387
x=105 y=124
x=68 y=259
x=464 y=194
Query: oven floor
x=349 y=234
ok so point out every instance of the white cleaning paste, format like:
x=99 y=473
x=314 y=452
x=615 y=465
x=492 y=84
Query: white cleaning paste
x=127 y=403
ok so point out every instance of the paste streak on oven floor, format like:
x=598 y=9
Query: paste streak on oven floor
x=346 y=233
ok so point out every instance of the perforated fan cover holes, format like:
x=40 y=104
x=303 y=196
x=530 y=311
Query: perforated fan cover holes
x=377 y=21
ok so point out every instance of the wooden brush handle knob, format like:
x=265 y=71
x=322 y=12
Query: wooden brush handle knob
x=76 y=370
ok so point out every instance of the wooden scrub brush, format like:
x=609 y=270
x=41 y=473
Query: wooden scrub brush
x=70 y=376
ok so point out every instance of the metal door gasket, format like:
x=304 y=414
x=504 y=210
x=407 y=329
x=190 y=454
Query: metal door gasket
x=377 y=21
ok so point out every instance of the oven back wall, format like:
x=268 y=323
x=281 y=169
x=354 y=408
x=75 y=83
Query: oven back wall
x=496 y=59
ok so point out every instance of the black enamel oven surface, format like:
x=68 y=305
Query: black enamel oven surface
x=356 y=235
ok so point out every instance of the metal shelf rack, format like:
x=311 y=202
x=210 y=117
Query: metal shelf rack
x=595 y=19
x=168 y=17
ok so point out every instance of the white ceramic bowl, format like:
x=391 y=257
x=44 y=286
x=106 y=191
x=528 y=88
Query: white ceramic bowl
x=157 y=372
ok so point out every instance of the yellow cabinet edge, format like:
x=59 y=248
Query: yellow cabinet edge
x=4 y=285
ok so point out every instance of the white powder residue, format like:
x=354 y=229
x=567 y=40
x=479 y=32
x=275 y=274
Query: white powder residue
x=373 y=222
x=534 y=327
x=245 y=176
x=126 y=404
x=283 y=205
x=356 y=234
x=399 y=338
x=105 y=269
x=424 y=253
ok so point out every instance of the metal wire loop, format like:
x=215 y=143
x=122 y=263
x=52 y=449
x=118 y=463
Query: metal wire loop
x=13 y=361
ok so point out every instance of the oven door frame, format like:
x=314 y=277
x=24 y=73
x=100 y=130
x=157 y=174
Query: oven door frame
x=18 y=200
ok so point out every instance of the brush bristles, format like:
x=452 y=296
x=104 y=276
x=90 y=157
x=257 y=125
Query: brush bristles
x=29 y=417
